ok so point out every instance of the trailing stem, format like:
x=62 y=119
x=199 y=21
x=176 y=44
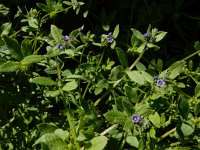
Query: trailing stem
x=118 y=81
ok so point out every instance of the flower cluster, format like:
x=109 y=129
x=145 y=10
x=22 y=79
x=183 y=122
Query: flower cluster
x=136 y=118
x=109 y=37
x=66 y=39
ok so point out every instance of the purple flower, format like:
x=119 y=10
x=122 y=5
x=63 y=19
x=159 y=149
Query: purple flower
x=109 y=37
x=110 y=40
x=110 y=34
x=145 y=35
x=60 y=47
x=66 y=38
x=160 y=82
x=135 y=118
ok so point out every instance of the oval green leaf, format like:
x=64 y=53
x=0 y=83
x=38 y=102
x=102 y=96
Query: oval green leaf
x=43 y=81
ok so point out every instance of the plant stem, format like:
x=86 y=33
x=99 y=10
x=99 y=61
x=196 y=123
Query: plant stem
x=109 y=129
x=68 y=113
x=72 y=130
x=166 y=134
x=118 y=81
x=191 y=55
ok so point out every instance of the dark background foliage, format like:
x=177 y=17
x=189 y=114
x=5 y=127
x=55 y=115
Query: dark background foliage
x=180 y=18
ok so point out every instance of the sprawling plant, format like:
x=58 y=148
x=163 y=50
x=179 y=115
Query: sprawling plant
x=86 y=90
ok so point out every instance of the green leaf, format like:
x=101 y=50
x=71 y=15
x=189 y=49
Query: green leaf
x=131 y=94
x=159 y=64
x=116 y=73
x=116 y=31
x=75 y=32
x=128 y=125
x=52 y=93
x=187 y=129
x=97 y=91
x=151 y=45
x=122 y=56
x=61 y=134
x=5 y=28
x=43 y=81
x=143 y=109
x=72 y=85
x=51 y=141
x=160 y=35
x=44 y=128
x=118 y=103
x=97 y=143
x=56 y=34
x=140 y=66
x=10 y=66
x=180 y=85
x=14 y=47
x=26 y=47
x=155 y=119
x=127 y=106
x=141 y=145
x=197 y=45
x=152 y=132
x=102 y=84
x=197 y=90
x=197 y=109
x=67 y=3
x=147 y=77
x=133 y=141
x=183 y=107
x=141 y=48
x=33 y=23
x=43 y=7
x=175 y=69
x=115 y=117
x=136 y=76
x=53 y=52
x=138 y=34
x=32 y=59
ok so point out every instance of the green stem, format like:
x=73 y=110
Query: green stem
x=109 y=129
x=73 y=133
x=72 y=130
x=86 y=89
x=191 y=55
x=166 y=134
x=118 y=81
x=44 y=17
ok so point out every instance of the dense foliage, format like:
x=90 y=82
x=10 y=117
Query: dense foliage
x=77 y=75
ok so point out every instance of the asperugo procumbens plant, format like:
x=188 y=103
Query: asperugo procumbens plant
x=80 y=97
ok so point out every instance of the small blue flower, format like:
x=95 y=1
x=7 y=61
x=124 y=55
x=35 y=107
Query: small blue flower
x=110 y=34
x=145 y=35
x=135 y=118
x=109 y=37
x=60 y=47
x=110 y=40
x=160 y=83
x=66 y=38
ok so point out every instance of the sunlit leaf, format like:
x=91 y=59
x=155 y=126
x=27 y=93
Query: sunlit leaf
x=72 y=85
x=43 y=81
x=97 y=143
x=10 y=66
x=115 y=117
